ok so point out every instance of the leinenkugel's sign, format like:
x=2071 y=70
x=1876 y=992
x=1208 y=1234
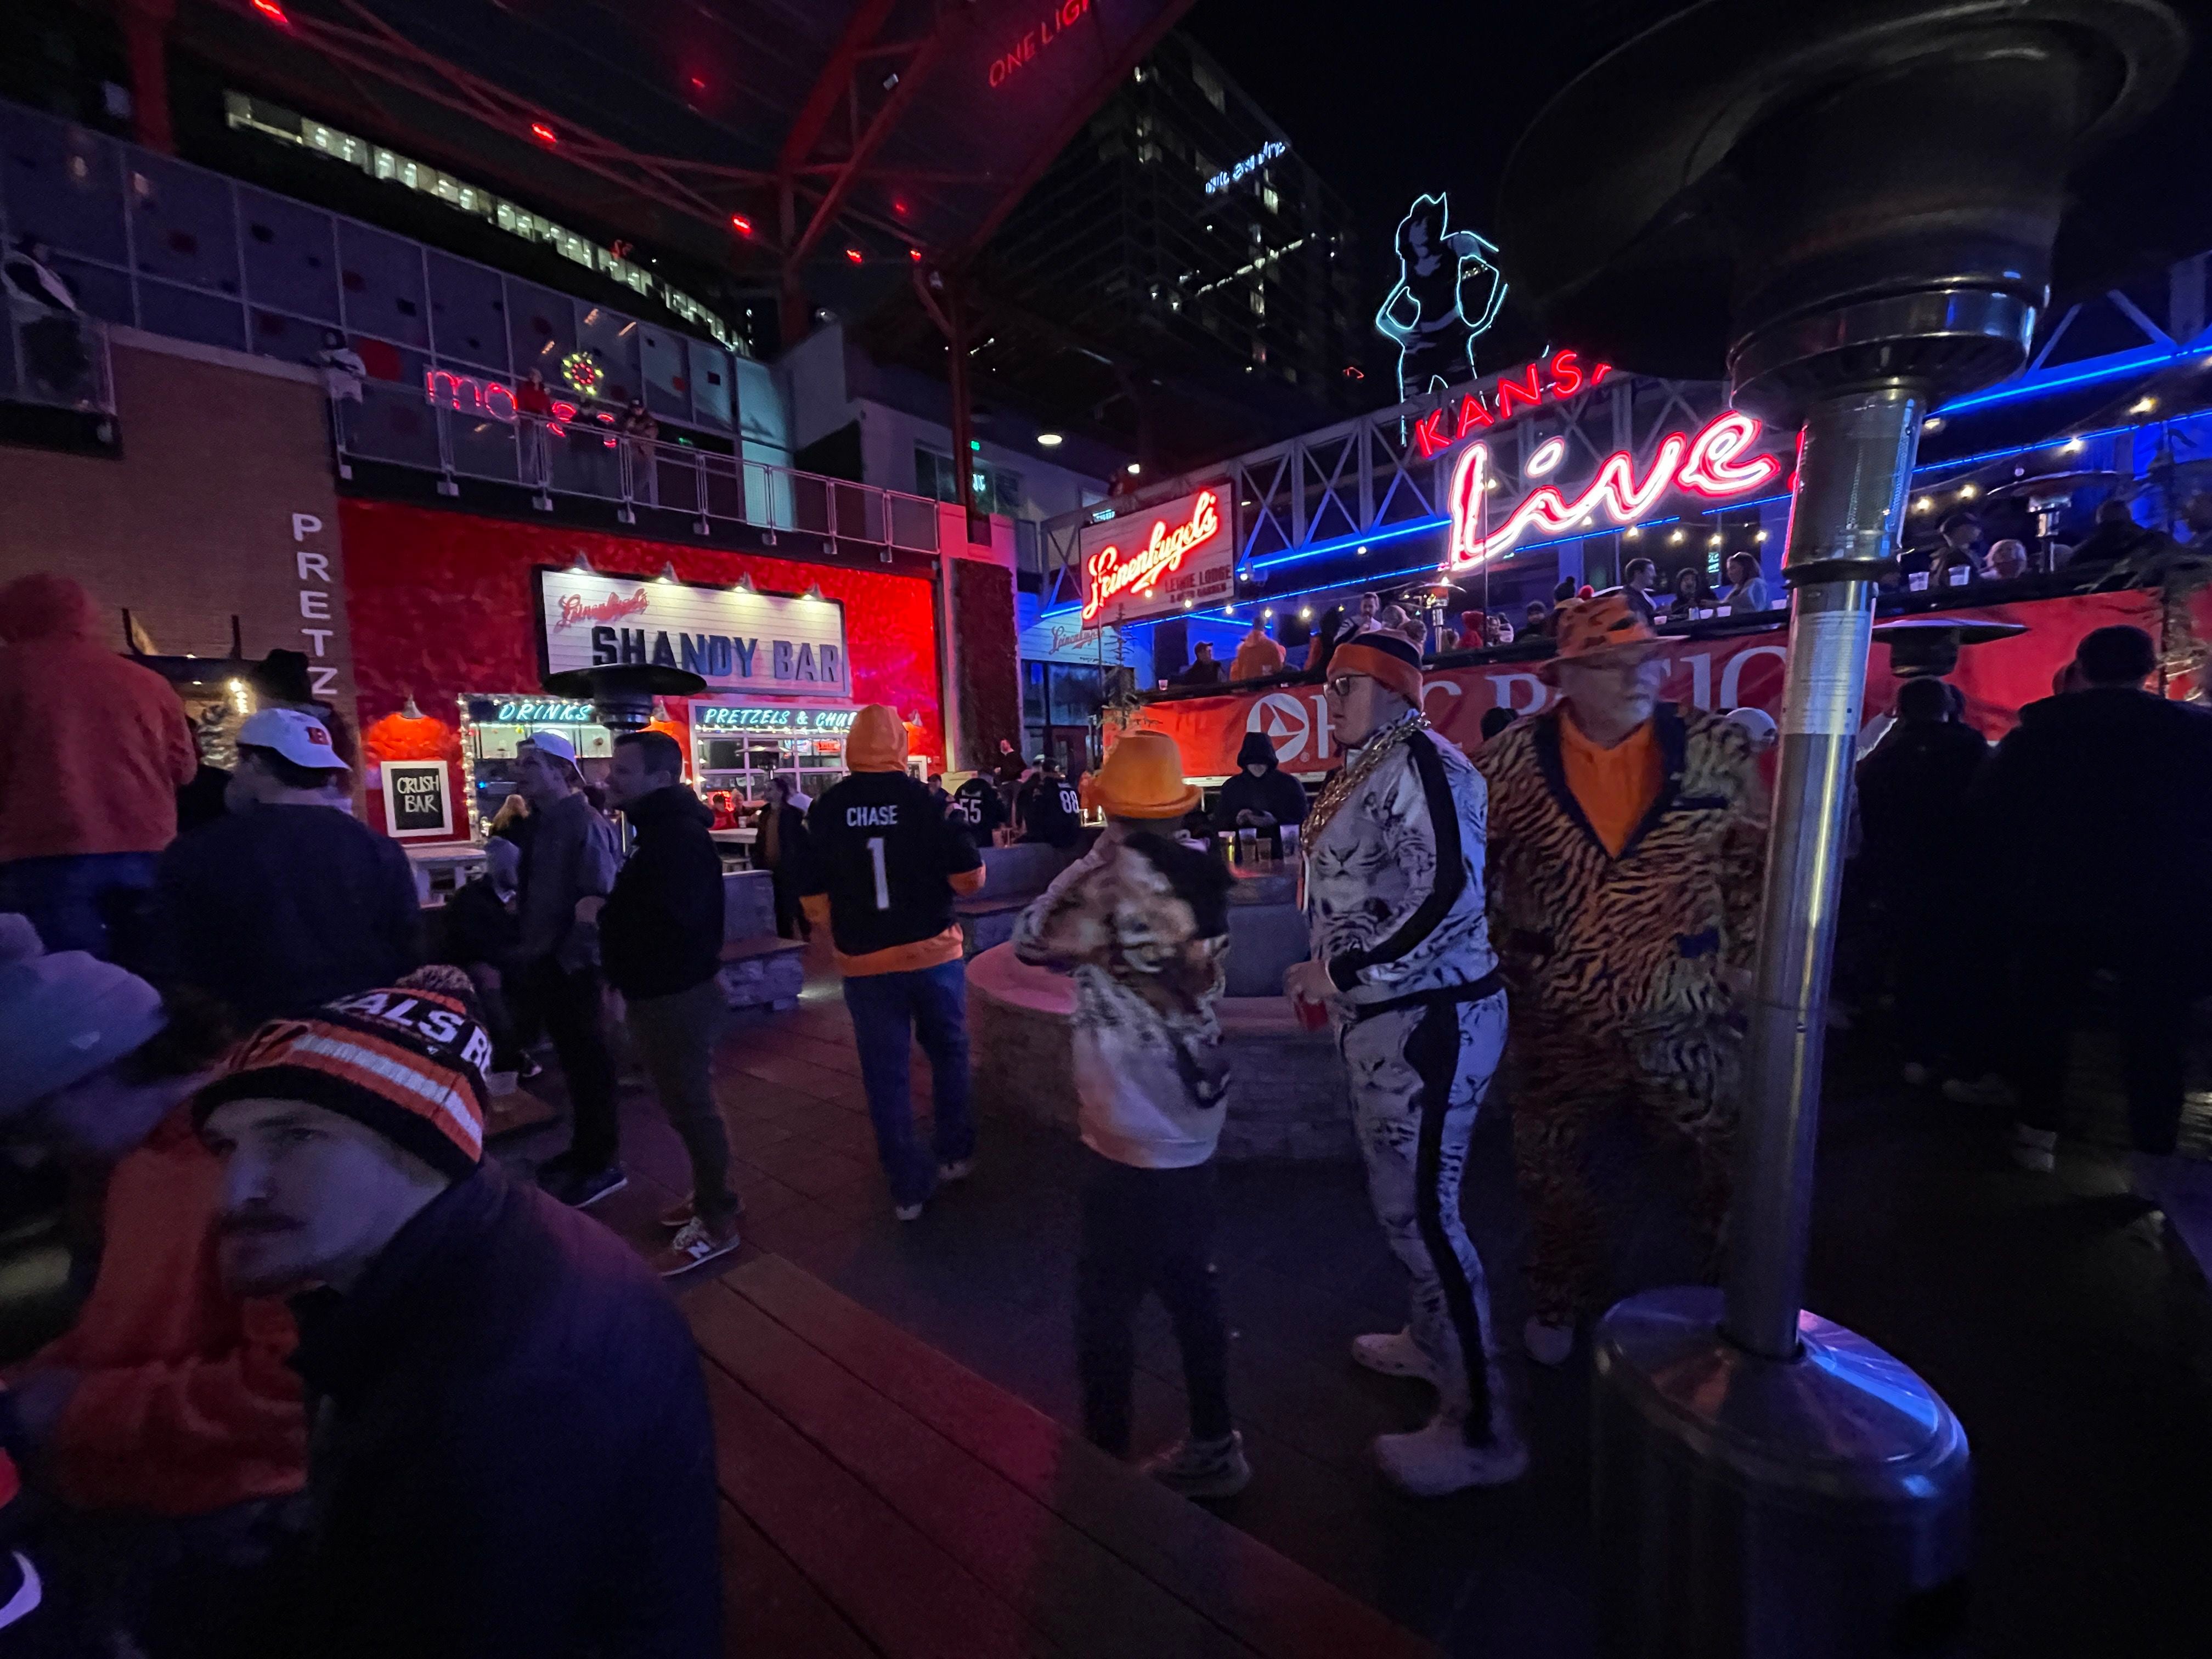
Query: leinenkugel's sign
x=737 y=640
x=1179 y=555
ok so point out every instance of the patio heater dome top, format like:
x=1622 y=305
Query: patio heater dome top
x=1785 y=169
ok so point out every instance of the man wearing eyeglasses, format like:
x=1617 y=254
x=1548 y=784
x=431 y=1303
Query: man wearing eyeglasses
x=1402 y=960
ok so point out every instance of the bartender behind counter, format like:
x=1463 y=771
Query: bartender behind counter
x=1262 y=796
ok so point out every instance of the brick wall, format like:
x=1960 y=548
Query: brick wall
x=221 y=503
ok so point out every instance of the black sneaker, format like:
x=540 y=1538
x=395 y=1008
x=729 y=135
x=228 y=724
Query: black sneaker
x=581 y=1188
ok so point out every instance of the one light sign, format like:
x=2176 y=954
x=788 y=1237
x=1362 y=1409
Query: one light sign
x=737 y=640
x=1180 y=555
x=1716 y=463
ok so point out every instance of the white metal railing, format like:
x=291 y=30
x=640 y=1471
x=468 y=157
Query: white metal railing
x=55 y=358
x=466 y=430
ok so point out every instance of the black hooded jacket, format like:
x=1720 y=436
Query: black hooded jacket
x=1274 y=792
x=661 y=932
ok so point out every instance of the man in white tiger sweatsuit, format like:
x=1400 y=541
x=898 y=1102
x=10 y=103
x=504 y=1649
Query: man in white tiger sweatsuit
x=1401 y=956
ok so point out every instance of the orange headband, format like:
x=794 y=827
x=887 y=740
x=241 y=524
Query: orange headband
x=1356 y=657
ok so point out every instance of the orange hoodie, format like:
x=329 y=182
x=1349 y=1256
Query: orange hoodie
x=93 y=748
x=877 y=742
x=185 y=1403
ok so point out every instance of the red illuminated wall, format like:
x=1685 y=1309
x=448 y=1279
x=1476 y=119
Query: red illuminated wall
x=442 y=604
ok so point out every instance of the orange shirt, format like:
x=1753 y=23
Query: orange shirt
x=1613 y=787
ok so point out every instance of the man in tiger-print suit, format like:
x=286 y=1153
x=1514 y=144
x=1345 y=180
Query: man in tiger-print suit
x=1401 y=956
x=1626 y=841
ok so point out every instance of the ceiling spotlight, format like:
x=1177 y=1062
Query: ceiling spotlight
x=1967 y=492
x=1761 y=535
x=1266 y=613
x=1933 y=424
x=1048 y=440
x=1132 y=469
x=2071 y=446
x=1712 y=541
x=1676 y=536
x=1305 y=611
x=668 y=571
x=1632 y=532
x=1923 y=505
x=2142 y=405
x=582 y=562
x=1362 y=552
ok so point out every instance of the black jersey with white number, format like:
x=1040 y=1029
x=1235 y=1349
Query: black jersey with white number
x=977 y=808
x=882 y=851
x=1051 y=811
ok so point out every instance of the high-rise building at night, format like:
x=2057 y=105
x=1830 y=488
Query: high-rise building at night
x=1182 y=225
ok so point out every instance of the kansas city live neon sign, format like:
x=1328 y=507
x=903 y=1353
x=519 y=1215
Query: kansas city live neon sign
x=1563 y=376
x=1109 y=577
x=1712 y=464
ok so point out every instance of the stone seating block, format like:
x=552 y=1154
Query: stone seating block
x=763 y=972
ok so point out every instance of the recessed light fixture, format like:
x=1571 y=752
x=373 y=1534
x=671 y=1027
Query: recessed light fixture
x=1305 y=611
x=1967 y=492
x=1676 y=536
x=1132 y=469
x=2142 y=405
x=1268 y=614
x=1632 y=531
x=1362 y=552
x=1761 y=535
x=2071 y=446
x=1923 y=505
x=1048 y=440
x=1933 y=424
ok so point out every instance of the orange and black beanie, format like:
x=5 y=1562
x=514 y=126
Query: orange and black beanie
x=407 y=1061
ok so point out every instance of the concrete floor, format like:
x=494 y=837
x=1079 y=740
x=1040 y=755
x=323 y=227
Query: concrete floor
x=2044 y=1309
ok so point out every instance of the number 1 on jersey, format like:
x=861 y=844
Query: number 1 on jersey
x=883 y=880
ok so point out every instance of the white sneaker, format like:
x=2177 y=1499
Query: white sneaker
x=1987 y=1089
x=1394 y=1353
x=2034 y=1150
x=958 y=1170
x=1202 y=1468
x=906 y=1212
x=1548 y=1342
x=1432 y=1462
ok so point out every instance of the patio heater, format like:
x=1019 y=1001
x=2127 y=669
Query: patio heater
x=621 y=694
x=1853 y=205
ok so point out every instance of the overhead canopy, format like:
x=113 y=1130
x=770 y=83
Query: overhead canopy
x=773 y=137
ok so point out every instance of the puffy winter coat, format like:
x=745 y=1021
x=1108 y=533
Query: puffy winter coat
x=93 y=748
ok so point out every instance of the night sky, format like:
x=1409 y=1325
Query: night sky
x=1432 y=95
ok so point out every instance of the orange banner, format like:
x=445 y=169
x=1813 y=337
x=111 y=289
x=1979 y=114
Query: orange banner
x=1741 y=671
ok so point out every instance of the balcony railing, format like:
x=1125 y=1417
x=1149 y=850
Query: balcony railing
x=56 y=359
x=471 y=431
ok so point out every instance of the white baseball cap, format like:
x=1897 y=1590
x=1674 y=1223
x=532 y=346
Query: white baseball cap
x=300 y=739
x=553 y=744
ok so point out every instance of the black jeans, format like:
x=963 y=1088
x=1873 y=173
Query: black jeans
x=675 y=1037
x=790 y=916
x=2152 y=1011
x=572 y=1007
x=1147 y=1230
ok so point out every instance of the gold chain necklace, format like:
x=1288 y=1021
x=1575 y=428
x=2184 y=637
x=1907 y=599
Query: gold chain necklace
x=1341 y=788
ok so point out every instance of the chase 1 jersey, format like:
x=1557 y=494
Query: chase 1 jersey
x=976 y=808
x=882 y=851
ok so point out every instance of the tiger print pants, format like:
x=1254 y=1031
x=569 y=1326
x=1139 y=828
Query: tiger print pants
x=1419 y=1075
x=1566 y=1073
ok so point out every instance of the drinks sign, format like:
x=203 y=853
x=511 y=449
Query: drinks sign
x=1177 y=556
x=735 y=638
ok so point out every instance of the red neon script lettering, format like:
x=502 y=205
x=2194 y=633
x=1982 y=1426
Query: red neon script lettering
x=1162 y=556
x=575 y=610
x=1711 y=464
x=1035 y=41
x=1568 y=376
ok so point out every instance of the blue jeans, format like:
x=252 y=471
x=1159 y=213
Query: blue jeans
x=889 y=1011
x=70 y=899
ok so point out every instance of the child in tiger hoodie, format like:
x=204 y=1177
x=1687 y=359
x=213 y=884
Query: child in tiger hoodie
x=1141 y=922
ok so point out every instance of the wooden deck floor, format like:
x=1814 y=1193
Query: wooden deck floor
x=881 y=1499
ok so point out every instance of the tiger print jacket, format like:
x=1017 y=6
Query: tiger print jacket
x=1645 y=937
x=1394 y=878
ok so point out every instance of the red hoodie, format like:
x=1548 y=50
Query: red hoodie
x=185 y=1403
x=93 y=748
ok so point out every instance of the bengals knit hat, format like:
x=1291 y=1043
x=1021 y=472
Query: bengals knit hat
x=1390 y=657
x=406 y=1061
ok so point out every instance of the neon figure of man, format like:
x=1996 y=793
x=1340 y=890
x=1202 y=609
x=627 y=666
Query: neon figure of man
x=1453 y=291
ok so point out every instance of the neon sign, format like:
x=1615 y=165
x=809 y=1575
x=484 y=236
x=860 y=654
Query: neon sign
x=1251 y=164
x=471 y=396
x=1454 y=291
x=1712 y=464
x=1025 y=50
x=1109 y=574
x=1562 y=377
x=726 y=717
x=574 y=608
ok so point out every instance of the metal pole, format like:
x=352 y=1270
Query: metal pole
x=1854 y=466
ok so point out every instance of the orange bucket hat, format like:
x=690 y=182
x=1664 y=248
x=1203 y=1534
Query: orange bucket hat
x=1605 y=626
x=1142 y=778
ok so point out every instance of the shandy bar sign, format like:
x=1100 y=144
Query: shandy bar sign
x=735 y=638
x=1179 y=555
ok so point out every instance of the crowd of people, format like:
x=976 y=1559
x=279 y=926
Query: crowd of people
x=340 y=1383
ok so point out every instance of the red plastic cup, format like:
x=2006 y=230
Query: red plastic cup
x=1312 y=1016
